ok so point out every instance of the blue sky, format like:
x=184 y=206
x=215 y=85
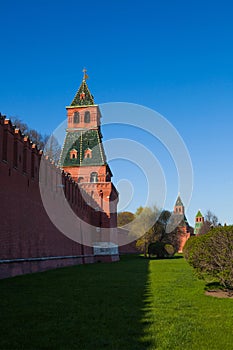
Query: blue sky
x=175 y=57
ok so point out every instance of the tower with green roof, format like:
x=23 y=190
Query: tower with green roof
x=199 y=221
x=83 y=155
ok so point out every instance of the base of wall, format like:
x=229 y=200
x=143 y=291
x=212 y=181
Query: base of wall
x=21 y=267
x=107 y=258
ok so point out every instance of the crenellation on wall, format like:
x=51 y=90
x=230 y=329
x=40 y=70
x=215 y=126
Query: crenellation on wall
x=17 y=151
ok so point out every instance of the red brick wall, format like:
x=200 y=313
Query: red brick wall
x=184 y=235
x=125 y=246
x=26 y=231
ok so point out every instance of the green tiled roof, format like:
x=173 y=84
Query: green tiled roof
x=179 y=202
x=83 y=97
x=81 y=140
x=199 y=214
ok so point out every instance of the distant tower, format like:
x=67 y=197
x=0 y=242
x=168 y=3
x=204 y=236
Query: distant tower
x=83 y=155
x=199 y=221
x=179 y=206
x=183 y=226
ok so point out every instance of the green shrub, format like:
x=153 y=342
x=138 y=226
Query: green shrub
x=170 y=250
x=156 y=249
x=211 y=255
x=160 y=250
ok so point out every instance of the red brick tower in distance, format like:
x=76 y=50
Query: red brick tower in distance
x=179 y=206
x=183 y=226
x=83 y=155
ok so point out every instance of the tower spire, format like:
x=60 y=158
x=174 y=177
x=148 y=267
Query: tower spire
x=83 y=96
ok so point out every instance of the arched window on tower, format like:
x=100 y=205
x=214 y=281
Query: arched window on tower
x=87 y=117
x=76 y=117
x=94 y=177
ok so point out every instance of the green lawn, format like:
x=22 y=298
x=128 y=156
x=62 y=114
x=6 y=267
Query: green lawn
x=132 y=304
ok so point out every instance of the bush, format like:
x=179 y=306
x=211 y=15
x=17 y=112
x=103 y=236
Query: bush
x=211 y=255
x=160 y=250
x=170 y=250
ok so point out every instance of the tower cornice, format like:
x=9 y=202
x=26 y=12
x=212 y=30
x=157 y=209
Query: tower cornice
x=83 y=106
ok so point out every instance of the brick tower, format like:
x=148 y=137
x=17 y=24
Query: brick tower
x=199 y=221
x=183 y=227
x=179 y=206
x=83 y=155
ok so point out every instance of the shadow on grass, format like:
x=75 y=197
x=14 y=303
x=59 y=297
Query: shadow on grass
x=213 y=286
x=101 y=306
x=166 y=258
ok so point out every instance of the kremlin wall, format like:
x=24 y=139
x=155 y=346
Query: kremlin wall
x=29 y=240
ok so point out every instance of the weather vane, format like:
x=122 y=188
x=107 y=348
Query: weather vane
x=85 y=76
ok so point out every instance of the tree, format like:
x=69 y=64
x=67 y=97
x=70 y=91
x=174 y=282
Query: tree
x=163 y=235
x=211 y=255
x=142 y=227
x=36 y=138
x=52 y=149
x=211 y=221
x=20 y=125
x=153 y=228
x=156 y=249
x=160 y=250
x=212 y=218
x=205 y=228
x=48 y=144
x=33 y=135
x=124 y=218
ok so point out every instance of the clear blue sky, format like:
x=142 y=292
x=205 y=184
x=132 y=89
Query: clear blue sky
x=175 y=57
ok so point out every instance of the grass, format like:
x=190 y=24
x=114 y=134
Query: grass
x=133 y=304
x=180 y=315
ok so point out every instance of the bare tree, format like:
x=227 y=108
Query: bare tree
x=48 y=144
x=205 y=228
x=33 y=134
x=212 y=218
x=20 y=125
x=36 y=138
x=210 y=222
x=52 y=149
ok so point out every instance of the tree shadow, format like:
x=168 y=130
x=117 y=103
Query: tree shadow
x=99 y=306
x=167 y=258
x=213 y=286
